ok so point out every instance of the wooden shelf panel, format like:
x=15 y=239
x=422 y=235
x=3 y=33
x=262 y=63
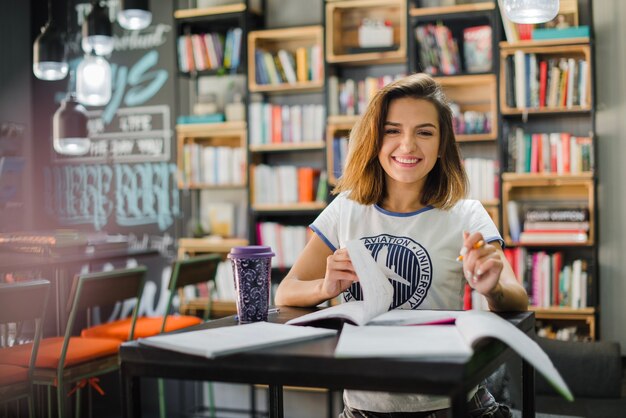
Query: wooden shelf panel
x=191 y=130
x=200 y=186
x=209 y=245
x=548 y=179
x=219 y=308
x=489 y=136
x=342 y=121
x=286 y=87
x=510 y=243
x=544 y=43
x=301 y=146
x=562 y=310
x=506 y=110
x=456 y=9
x=278 y=207
x=209 y=11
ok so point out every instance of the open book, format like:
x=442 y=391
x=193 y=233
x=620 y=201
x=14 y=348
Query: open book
x=383 y=338
x=377 y=298
x=227 y=340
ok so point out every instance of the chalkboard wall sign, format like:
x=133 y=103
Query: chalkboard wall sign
x=127 y=181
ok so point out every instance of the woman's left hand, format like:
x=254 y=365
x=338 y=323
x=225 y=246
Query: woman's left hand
x=481 y=266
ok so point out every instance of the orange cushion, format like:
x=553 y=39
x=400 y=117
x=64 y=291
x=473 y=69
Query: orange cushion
x=145 y=327
x=12 y=374
x=79 y=351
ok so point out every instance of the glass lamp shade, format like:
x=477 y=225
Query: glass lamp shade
x=134 y=14
x=93 y=81
x=531 y=11
x=97 y=31
x=50 y=54
x=69 y=128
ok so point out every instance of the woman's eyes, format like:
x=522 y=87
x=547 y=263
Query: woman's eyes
x=394 y=131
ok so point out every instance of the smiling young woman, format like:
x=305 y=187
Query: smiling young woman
x=402 y=194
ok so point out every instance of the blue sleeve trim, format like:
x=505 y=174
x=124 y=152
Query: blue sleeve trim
x=322 y=237
x=495 y=238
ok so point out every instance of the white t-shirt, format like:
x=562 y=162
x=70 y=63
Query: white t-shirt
x=421 y=247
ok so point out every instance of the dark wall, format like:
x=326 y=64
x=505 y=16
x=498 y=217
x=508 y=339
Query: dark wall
x=15 y=113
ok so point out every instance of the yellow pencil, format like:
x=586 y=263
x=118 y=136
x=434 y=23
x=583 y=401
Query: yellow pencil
x=475 y=247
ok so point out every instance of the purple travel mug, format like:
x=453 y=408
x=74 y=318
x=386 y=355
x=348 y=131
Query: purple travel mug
x=252 y=267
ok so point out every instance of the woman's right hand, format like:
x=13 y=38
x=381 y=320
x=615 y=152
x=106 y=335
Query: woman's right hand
x=339 y=275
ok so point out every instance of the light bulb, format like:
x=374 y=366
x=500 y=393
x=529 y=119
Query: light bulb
x=97 y=31
x=93 y=81
x=69 y=128
x=134 y=19
x=49 y=54
x=531 y=11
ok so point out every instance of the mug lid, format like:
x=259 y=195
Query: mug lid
x=251 y=251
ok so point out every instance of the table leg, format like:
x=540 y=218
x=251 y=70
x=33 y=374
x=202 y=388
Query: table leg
x=528 y=390
x=459 y=405
x=131 y=394
x=276 y=401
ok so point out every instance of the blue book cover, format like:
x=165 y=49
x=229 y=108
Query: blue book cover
x=561 y=33
x=211 y=118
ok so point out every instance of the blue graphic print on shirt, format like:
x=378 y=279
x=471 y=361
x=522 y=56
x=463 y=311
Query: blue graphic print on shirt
x=404 y=257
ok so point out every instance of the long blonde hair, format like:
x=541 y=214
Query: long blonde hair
x=363 y=176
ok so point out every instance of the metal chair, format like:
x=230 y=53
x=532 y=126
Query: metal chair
x=192 y=271
x=20 y=303
x=62 y=361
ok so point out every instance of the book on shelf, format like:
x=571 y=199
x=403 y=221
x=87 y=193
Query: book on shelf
x=556 y=152
x=436 y=338
x=552 y=278
x=477 y=49
x=553 y=236
x=211 y=343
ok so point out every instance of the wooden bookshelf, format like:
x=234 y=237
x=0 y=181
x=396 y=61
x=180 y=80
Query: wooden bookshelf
x=196 y=246
x=474 y=93
x=566 y=314
x=552 y=49
x=227 y=134
x=336 y=125
x=342 y=22
x=548 y=189
x=288 y=39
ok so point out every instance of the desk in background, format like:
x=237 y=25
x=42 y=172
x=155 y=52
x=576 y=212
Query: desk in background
x=312 y=364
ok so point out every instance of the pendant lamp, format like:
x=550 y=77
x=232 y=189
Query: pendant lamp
x=49 y=52
x=98 y=31
x=134 y=14
x=69 y=128
x=531 y=11
x=93 y=81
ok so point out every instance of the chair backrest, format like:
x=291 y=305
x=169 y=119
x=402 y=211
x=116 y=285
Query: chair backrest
x=191 y=271
x=104 y=289
x=25 y=301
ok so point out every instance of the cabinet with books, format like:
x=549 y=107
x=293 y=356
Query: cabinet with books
x=549 y=185
x=365 y=50
x=211 y=130
x=222 y=291
x=286 y=138
x=456 y=44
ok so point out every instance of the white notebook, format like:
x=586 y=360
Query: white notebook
x=227 y=340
